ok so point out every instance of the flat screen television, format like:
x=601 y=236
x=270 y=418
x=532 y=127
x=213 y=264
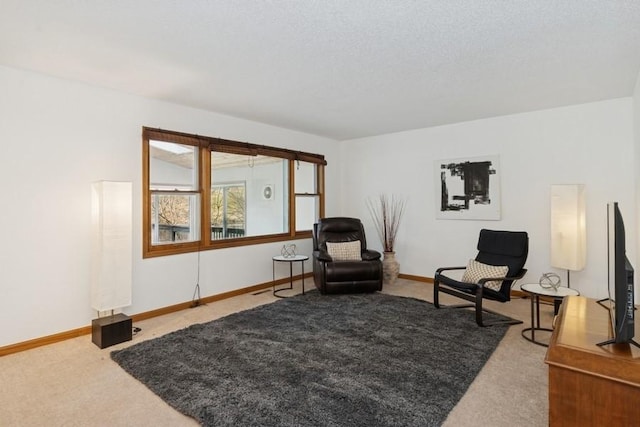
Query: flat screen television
x=621 y=292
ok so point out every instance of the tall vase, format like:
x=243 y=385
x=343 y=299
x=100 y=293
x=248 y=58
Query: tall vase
x=390 y=268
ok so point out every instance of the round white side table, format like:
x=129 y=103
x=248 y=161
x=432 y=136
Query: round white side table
x=536 y=291
x=279 y=258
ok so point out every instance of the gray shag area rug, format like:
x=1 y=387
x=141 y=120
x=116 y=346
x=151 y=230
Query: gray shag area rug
x=318 y=360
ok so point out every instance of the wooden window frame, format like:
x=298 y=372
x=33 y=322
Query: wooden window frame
x=207 y=145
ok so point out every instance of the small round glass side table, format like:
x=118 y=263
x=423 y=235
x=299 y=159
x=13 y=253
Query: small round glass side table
x=536 y=291
x=280 y=258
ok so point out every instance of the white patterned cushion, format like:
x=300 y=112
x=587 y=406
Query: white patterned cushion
x=477 y=270
x=344 y=251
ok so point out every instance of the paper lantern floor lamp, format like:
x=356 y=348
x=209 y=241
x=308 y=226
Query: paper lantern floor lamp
x=568 y=228
x=111 y=256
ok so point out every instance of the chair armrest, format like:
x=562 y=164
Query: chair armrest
x=370 y=255
x=441 y=269
x=321 y=255
x=518 y=276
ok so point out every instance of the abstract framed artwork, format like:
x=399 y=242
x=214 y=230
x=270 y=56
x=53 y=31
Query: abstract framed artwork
x=468 y=188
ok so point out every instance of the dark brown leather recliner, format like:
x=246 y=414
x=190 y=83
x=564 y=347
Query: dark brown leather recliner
x=332 y=276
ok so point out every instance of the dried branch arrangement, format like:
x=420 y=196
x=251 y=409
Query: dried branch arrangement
x=386 y=213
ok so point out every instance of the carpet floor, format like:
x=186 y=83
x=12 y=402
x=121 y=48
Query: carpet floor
x=318 y=360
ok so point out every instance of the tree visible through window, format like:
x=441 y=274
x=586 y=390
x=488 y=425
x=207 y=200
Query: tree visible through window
x=172 y=215
x=228 y=211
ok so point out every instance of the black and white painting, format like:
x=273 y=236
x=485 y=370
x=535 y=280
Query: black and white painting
x=468 y=188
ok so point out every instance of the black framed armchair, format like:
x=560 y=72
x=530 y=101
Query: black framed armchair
x=499 y=263
x=341 y=260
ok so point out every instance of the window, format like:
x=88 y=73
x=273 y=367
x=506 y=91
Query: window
x=307 y=194
x=207 y=193
x=228 y=206
x=173 y=184
x=266 y=190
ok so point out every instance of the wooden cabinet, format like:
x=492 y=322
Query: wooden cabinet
x=591 y=385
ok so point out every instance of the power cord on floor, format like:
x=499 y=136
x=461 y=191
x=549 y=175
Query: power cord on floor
x=136 y=330
x=195 y=302
x=195 y=299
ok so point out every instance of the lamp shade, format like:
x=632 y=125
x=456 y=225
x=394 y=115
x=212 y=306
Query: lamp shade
x=111 y=272
x=568 y=227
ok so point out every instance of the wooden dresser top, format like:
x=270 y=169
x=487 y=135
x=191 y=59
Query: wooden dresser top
x=581 y=325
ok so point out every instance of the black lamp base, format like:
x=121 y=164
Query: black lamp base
x=111 y=330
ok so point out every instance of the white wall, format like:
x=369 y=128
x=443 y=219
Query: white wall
x=57 y=138
x=590 y=144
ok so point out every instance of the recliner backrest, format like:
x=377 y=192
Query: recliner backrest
x=337 y=229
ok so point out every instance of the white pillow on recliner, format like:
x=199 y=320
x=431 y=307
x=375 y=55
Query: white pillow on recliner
x=477 y=270
x=344 y=251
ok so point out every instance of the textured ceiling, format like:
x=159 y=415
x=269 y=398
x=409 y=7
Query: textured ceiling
x=342 y=69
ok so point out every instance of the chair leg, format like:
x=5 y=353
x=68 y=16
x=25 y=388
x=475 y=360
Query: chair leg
x=479 y=314
x=436 y=296
x=476 y=301
x=479 y=319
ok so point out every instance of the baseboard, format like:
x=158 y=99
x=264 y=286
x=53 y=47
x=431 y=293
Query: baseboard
x=86 y=330
x=416 y=278
x=49 y=339
x=516 y=293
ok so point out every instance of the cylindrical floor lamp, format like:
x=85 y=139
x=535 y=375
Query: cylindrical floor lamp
x=568 y=228
x=111 y=269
